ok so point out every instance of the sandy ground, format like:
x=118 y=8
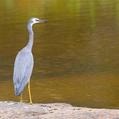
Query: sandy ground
x=15 y=110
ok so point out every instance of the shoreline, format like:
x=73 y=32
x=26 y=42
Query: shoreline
x=16 y=110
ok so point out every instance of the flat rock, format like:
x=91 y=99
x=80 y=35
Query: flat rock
x=16 y=110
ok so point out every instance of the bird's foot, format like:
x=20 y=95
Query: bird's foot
x=31 y=102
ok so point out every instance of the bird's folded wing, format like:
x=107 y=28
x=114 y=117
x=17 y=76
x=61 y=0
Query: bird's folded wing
x=22 y=71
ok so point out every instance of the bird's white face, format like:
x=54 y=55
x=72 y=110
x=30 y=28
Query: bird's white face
x=36 y=20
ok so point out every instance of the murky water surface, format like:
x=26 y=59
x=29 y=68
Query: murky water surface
x=76 y=53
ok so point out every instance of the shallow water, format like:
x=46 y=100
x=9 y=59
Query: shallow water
x=76 y=53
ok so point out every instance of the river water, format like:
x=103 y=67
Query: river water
x=76 y=53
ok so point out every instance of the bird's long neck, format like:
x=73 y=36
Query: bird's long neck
x=31 y=37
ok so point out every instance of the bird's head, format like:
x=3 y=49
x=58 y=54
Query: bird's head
x=36 y=20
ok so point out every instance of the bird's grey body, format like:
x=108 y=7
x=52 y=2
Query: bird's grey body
x=24 y=62
x=22 y=69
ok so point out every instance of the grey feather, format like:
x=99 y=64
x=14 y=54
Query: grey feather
x=22 y=70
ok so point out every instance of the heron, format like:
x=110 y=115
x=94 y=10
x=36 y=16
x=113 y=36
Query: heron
x=24 y=63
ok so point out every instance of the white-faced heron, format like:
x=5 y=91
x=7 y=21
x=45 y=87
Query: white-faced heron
x=24 y=62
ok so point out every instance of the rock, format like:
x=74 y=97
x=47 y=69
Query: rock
x=16 y=110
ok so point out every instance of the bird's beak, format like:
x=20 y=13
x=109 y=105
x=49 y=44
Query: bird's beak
x=43 y=21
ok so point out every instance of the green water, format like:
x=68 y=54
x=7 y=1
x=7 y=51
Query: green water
x=76 y=53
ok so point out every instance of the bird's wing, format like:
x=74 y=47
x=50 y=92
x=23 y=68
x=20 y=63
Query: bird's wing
x=22 y=70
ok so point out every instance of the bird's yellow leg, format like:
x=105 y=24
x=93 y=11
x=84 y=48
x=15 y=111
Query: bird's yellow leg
x=29 y=93
x=21 y=100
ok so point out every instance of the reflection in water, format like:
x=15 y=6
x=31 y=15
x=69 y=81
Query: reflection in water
x=76 y=52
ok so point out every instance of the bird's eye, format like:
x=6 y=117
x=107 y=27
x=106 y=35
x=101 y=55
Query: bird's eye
x=37 y=19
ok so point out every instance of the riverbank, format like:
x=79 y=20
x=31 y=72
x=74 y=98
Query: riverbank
x=15 y=110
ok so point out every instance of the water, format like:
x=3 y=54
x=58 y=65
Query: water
x=76 y=53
